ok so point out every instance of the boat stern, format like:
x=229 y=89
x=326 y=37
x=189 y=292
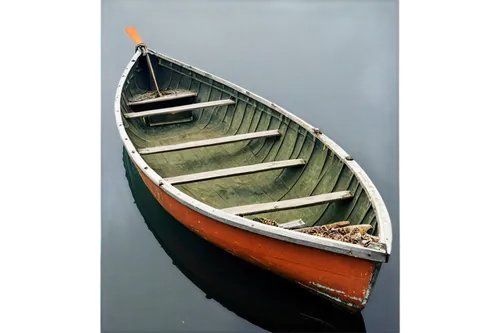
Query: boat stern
x=348 y=294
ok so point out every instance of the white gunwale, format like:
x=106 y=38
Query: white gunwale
x=378 y=255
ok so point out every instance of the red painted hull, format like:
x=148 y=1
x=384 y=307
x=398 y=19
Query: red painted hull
x=343 y=279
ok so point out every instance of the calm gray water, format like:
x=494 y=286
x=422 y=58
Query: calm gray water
x=332 y=63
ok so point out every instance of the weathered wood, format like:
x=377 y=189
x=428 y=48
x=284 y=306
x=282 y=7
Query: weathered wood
x=289 y=204
x=243 y=170
x=169 y=97
x=339 y=224
x=210 y=142
x=330 y=226
x=177 y=109
x=293 y=224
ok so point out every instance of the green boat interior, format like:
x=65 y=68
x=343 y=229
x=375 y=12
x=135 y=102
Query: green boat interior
x=234 y=153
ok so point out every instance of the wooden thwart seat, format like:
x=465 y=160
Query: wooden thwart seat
x=169 y=97
x=210 y=142
x=289 y=204
x=293 y=224
x=242 y=170
x=177 y=109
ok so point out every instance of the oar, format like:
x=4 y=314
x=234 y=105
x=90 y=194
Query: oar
x=134 y=35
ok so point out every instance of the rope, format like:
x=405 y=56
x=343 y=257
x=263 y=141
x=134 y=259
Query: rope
x=145 y=53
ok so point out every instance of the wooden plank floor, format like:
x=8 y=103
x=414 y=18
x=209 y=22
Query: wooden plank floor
x=240 y=190
x=219 y=117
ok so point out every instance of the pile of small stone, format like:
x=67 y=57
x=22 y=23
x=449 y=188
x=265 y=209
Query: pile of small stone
x=355 y=234
x=341 y=231
x=266 y=221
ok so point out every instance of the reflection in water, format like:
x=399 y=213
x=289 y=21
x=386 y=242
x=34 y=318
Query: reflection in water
x=259 y=296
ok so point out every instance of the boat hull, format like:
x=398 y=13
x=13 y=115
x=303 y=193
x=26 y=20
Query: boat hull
x=345 y=280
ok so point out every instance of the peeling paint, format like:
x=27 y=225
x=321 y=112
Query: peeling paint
x=368 y=291
x=327 y=288
x=373 y=278
x=336 y=291
x=340 y=301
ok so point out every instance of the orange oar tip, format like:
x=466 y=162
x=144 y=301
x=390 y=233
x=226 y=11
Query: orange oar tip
x=134 y=35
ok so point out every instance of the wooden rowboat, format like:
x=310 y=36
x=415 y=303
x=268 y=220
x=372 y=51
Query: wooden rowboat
x=252 y=178
x=251 y=293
